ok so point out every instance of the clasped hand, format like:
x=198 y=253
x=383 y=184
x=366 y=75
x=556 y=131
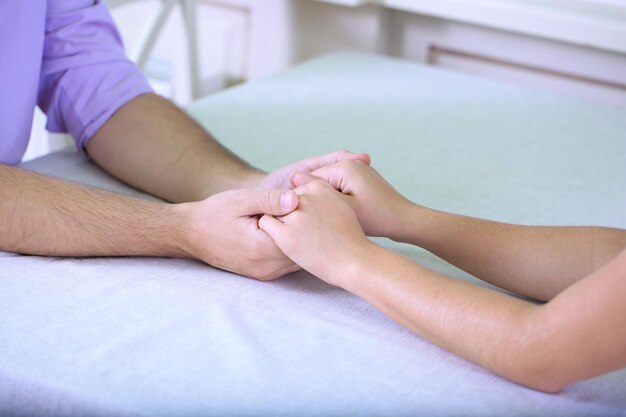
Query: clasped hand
x=338 y=205
x=223 y=230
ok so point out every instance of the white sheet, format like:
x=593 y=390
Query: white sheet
x=154 y=336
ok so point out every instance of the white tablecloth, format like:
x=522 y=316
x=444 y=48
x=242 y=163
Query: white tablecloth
x=154 y=336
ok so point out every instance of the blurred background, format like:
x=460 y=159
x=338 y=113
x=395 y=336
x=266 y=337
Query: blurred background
x=192 y=48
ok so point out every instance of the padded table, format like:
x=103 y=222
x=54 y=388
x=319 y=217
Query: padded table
x=159 y=336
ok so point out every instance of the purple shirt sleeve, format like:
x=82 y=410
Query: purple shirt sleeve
x=85 y=75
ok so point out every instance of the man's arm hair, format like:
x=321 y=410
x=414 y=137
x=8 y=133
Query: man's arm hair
x=42 y=215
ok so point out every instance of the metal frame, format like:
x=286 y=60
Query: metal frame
x=152 y=31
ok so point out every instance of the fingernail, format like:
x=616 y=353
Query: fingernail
x=285 y=201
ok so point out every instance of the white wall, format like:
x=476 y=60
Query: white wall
x=569 y=47
x=572 y=47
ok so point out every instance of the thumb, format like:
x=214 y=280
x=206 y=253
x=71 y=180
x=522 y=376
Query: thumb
x=301 y=178
x=273 y=202
x=271 y=226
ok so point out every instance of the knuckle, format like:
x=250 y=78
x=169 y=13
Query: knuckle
x=352 y=167
x=347 y=164
x=266 y=202
x=317 y=185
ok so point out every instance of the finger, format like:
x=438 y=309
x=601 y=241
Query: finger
x=275 y=202
x=314 y=185
x=301 y=178
x=271 y=226
x=316 y=162
x=347 y=155
x=280 y=272
x=294 y=267
x=332 y=174
x=363 y=158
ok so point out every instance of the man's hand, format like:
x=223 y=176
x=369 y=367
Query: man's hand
x=223 y=231
x=280 y=178
x=378 y=206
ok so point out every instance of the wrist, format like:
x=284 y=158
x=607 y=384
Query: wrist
x=149 y=229
x=235 y=179
x=250 y=179
x=418 y=225
x=406 y=219
x=357 y=266
x=181 y=230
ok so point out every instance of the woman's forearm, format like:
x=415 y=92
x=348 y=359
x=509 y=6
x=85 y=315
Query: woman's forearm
x=537 y=261
x=481 y=325
x=574 y=337
x=41 y=215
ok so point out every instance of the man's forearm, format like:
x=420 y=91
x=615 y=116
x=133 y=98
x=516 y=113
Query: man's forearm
x=152 y=145
x=532 y=260
x=41 y=215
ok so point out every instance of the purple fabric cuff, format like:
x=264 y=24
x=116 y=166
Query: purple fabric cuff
x=82 y=115
x=85 y=75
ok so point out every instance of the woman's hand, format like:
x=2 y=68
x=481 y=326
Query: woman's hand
x=378 y=206
x=323 y=235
